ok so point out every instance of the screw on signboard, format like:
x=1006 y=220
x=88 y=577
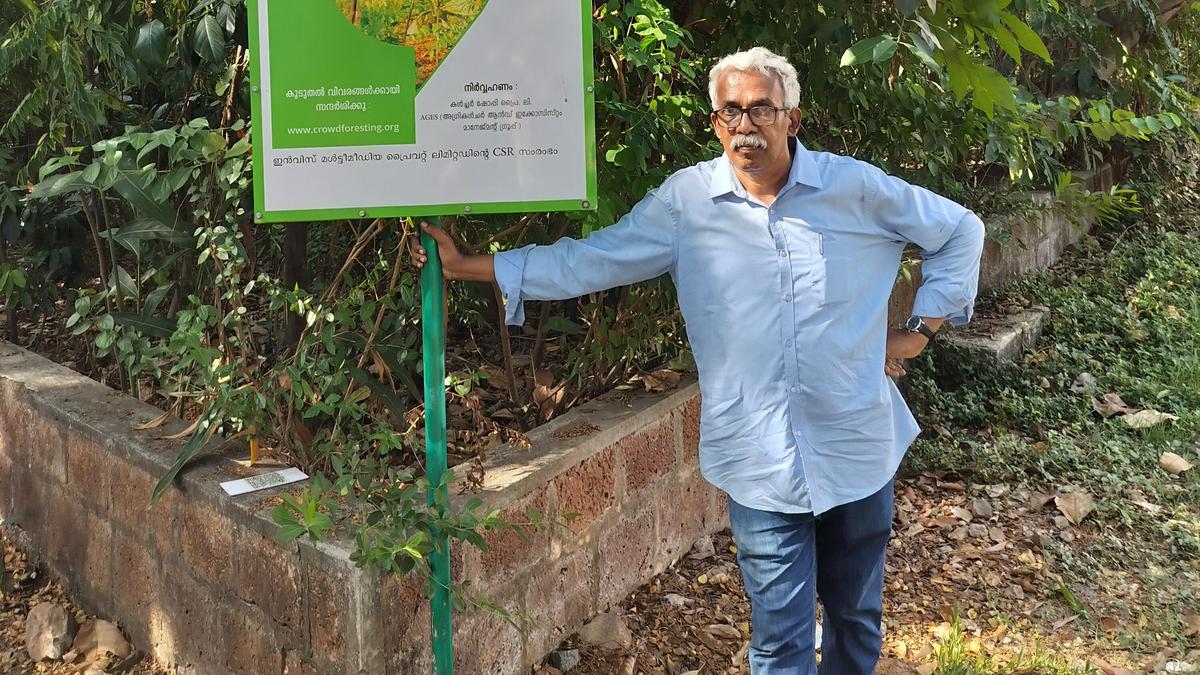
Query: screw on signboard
x=467 y=208
x=362 y=213
x=258 y=215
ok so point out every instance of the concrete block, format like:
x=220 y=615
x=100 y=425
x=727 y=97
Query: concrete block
x=559 y=596
x=589 y=489
x=508 y=553
x=495 y=646
x=684 y=514
x=626 y=555
x=45 y=446
x=648 y=454
x=1002 y=339
x=689 y=418
x=269 y=577
x=250 y=646
x=328 y=615
x=136 y=579
x=206 y=541
x=89 y=467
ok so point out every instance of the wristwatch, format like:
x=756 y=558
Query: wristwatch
x=916 y=324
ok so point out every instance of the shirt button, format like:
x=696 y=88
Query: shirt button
x=787 y=298
x=795 y=390
x=788 y=344
x=782 y=253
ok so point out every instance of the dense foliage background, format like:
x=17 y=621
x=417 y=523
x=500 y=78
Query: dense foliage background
x=127 y=249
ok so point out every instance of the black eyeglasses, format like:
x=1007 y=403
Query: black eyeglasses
x=760 y=115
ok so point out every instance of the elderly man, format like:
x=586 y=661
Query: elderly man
x=784 y=260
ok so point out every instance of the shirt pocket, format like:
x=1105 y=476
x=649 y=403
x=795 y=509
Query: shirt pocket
x=838 y=268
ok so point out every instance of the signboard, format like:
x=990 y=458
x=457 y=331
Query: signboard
x=369 y=108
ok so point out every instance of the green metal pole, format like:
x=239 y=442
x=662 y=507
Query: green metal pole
x=433 y=347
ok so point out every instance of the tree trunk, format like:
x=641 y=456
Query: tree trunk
x=295 y=274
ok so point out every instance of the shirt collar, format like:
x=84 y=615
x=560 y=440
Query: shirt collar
x=803 y=171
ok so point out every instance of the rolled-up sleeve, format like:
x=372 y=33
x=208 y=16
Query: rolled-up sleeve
x=640 y=246
x=951 y=240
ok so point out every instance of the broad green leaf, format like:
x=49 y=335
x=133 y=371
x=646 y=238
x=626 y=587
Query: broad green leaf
x=920 y=48
x=121 y=279
x=870 y=50
x=155 y=297
x=56 y=186
x=1007 y=42
x=144 y=229
x=91 y=173
x=239 y=148
x=907 y=7
x=928 y=33
x=989 y=87
x=958 y=74
x=150 y=45
x=288 y=533
x=208 y=39
x=131 y=187
x=147 y=325
x=1026 y=37
x=984 y=13
x=54 y=164
x=213 y=146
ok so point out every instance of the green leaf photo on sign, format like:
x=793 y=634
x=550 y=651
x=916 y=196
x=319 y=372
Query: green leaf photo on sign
x=430 y=27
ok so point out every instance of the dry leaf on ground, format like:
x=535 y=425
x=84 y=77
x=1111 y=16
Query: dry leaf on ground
x=1075 y=506
x=1173 y=463
x=724 y=630
x=1111 y=404
x=660 y=380
x=1152 y=508
x=1109 y=669
x=1192 y=621
x=1148 y=418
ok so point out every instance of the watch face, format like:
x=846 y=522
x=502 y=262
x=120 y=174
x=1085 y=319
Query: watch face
x=913 y=323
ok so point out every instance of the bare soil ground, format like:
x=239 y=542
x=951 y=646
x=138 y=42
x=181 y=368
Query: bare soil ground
x=982 y=566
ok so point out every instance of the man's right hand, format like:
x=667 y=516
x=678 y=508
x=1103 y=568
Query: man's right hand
x=455 y=265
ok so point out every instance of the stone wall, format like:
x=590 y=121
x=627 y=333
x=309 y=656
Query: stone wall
x=199 y=582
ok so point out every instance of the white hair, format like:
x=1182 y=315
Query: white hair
x=764 y=61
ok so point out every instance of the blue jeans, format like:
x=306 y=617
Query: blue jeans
x=789 y=559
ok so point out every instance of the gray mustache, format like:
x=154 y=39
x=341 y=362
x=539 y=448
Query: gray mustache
x=752 y=140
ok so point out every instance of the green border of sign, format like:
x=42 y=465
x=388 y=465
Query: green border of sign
x=589 y=140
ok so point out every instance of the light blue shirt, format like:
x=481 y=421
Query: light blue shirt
x=786 y=312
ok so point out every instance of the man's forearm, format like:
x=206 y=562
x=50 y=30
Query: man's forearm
x=472 y=268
